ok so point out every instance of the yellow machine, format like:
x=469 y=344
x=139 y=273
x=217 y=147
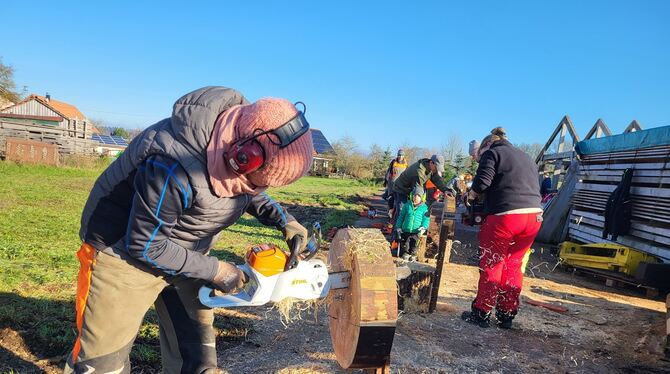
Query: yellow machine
x=605 y=256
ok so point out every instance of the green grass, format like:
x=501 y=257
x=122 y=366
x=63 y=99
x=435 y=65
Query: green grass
x=40 y=209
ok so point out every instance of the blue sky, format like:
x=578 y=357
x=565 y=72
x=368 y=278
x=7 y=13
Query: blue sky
x=383 y=72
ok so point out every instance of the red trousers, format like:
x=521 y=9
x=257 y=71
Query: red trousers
x=503 y=242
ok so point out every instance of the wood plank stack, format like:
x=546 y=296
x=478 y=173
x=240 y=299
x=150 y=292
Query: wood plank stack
x=600 y=173
x=68 y=141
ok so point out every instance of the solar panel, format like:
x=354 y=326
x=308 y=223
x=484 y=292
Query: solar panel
x=109 y=140
x=321 y=144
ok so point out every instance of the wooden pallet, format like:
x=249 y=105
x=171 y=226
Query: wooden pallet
x=617 y=280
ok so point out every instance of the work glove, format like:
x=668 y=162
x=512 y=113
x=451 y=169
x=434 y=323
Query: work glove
x=422 y=230
x=292 y=229
x=228 y=277
x=398 y=231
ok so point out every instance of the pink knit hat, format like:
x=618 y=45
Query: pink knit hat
x=282 y=166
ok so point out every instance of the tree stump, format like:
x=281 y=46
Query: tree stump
x=362 y=318
x=415 y=282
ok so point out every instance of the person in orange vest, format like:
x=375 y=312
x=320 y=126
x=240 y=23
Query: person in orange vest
x=396 y=167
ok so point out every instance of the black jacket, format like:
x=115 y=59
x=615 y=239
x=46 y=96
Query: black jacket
x=509 y=179
x=619 y=208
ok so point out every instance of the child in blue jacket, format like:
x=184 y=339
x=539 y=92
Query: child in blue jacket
x=412 y=222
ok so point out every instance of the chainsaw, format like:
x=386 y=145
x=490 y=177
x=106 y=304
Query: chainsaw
x=475 y=212
x=271 y=275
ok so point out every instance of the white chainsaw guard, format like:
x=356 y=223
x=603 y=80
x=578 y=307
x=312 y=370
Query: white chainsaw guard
x=307 y=281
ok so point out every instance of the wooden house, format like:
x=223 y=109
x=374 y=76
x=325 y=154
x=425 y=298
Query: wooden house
x=43 y=110
x=323 y=152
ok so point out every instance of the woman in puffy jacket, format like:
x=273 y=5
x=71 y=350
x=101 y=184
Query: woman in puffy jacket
x=508 y=178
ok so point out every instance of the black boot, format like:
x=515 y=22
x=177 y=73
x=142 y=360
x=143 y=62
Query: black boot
x=476 y=317
x=505 y=319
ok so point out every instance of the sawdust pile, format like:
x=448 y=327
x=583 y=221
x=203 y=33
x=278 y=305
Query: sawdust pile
x=365 y=244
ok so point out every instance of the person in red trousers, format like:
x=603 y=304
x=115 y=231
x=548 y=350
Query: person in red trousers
x=508 y=179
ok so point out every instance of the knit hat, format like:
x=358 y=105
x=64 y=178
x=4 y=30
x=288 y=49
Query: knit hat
x=282 y=166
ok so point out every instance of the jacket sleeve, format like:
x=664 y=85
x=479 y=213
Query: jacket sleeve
x=268 y=211
x=162 y=193
x=440 y=183
x=426 y=219
x=485 y=173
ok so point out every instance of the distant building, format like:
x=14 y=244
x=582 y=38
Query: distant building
x=43 y=110
x=323 y=153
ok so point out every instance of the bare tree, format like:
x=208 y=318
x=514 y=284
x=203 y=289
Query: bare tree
x=453 y=148
x=531 y=150
x=7 y=85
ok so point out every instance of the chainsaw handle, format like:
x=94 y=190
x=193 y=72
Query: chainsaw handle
x=295 y=244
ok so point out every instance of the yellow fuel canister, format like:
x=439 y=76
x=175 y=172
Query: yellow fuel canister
x=267 y=259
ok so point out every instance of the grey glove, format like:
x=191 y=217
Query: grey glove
x=292 y=229
x=228 y=277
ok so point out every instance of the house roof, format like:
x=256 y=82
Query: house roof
x=321 y=144
x=66 y=110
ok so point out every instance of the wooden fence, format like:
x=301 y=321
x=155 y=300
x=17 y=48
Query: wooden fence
x=67 y=141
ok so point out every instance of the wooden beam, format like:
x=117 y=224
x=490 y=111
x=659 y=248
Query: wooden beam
x=632 y=127
x=598 y=129
x=566 y=124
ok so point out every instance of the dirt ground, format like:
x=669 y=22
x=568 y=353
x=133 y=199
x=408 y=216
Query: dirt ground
x=605 y=330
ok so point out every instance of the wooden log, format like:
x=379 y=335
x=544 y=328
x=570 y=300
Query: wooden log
x=415 y=288
x=362 y=318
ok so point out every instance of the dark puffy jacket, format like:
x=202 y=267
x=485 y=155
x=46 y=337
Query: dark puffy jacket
x=508 y=177
x=416 y=176
x=155 y=204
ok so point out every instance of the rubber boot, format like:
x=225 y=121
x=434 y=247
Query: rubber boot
x=477 y=317
x=505 y=319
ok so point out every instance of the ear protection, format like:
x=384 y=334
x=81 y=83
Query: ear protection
x=248 y=155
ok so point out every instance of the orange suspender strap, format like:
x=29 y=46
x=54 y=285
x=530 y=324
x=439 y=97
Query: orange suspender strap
x=86 y=256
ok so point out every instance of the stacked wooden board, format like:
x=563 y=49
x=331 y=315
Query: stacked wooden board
x=601 y=167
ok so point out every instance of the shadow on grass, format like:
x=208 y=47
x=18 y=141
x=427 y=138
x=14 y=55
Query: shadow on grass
x=44 y=331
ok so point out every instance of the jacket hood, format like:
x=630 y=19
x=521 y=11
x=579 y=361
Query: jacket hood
x=194 y=115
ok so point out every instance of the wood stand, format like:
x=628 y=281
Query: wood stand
x=419 y=283
x=415 y=288
x=447 y=230
x=362 y=318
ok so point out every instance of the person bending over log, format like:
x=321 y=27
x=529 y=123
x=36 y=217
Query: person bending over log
x=508 y=178
x=416 y=176
x=156 y=212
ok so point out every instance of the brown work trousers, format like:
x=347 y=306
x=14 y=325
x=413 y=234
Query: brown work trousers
x=113 y=296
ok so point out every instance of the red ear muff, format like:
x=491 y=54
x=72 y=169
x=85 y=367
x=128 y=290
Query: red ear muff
x=246 y=156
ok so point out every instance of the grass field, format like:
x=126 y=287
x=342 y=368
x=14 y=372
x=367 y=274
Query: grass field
x=40 y=208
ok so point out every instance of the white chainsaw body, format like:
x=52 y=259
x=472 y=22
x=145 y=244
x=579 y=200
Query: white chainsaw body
x=307 y=281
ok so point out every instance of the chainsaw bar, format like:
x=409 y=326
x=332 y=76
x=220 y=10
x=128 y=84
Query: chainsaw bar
x=339 y=280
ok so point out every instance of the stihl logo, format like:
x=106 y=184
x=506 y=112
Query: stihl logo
x=298 y=281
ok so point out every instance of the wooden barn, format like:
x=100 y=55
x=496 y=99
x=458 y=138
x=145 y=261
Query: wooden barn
x=43 y=110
